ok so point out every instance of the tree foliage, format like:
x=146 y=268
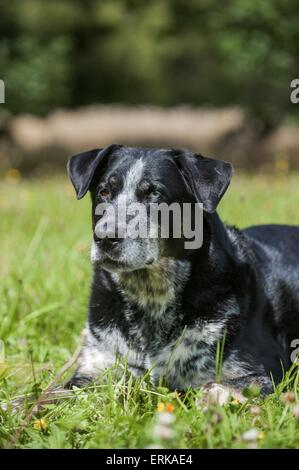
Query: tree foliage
x=164 y=52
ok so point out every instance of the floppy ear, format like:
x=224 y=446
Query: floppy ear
x=207 y=178
x=81 y=168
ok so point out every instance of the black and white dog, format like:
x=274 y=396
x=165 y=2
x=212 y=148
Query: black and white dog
x=164 y=307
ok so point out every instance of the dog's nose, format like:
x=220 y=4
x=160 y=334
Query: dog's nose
x=107 y=240
x=114 y=240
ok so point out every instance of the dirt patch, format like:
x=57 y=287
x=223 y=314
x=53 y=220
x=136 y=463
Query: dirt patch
x=34 y=144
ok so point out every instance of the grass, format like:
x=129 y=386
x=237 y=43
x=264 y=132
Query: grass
x=44 y=282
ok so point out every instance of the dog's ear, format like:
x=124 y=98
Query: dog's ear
x=81 y=168
x=207 y=178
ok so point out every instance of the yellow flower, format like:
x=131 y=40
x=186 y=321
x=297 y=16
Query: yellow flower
x=236 y=402
x=160 y=407
x=40 y=424
x=282 y=164
x=13 y=175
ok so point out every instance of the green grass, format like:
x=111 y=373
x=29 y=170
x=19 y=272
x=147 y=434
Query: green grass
x=44 y=276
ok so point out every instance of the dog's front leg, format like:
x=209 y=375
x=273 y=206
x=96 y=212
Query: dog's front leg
x=94 y=358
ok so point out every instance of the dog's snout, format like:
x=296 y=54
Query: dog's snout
x=108 y=244
x=110 y=231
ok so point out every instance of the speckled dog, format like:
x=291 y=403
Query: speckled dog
x=164 y=307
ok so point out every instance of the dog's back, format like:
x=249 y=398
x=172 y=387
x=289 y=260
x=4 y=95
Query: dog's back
x=276 y=248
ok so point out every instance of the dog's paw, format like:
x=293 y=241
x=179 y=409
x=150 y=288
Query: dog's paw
x=217 y=394
x=78 y=381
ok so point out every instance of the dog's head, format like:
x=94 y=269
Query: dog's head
x=126 y=183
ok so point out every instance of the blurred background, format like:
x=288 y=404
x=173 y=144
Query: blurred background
x=201 y=74
x=209 y=75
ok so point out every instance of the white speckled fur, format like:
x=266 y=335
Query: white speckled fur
x=140 y=250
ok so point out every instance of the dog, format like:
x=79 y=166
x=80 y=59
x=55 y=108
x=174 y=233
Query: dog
x=166 y=308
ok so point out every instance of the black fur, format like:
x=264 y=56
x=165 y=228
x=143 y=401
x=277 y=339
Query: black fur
x=244 y=281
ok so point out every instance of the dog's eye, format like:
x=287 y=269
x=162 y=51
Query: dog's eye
x=113 y=180
x=154 y=193
x=104 y=193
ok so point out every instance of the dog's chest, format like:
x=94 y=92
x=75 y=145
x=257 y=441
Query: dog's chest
x=184 y=356
x=152 y=334
x=155 y=336
x=153 y=304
